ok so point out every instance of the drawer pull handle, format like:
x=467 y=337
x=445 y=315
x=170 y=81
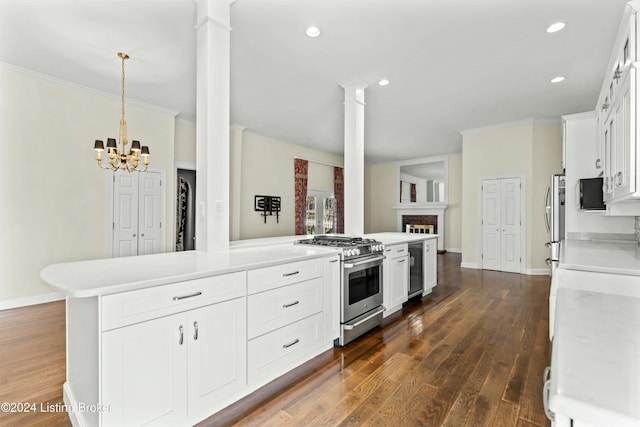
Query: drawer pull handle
x=290 y=304
x=187 y=296
x=294 y=342
x=333 y=260
x=290 y=274
x=400 y=250
x=402 y=260
x=195 y=332
x=181 y=329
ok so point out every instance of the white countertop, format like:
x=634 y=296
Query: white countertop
x=595 y=375
x=617 y=257
x=113 y=275
x=391 y=238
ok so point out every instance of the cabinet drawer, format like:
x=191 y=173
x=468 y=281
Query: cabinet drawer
x=279 y=307
x=144 y=304
x=281 y=350
x=394 y=251
x=263 y=279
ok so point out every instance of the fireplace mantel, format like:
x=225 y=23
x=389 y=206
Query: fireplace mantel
x=423 y=209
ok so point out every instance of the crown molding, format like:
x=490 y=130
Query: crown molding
x=86 y=89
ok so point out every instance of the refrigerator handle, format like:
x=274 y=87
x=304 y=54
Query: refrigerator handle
x=578 y=195
x=547 y=208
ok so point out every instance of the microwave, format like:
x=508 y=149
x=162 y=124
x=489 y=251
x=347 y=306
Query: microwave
x=591 y=198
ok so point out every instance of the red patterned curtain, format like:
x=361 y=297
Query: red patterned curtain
x=300 y=174
x=338 y=193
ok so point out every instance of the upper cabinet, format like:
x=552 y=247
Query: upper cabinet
x=617 y=111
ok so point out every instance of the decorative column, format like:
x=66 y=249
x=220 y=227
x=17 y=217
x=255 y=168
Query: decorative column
x=212 y=123
x=354 y=157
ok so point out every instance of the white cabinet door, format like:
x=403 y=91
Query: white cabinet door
x=399 y=280
x=607 y=134
x=430 y=264
x=217 y=365
x=332 y=273
x=144 y=376
x=624 y=143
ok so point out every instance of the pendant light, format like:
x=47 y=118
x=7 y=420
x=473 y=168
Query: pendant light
x=118 y=157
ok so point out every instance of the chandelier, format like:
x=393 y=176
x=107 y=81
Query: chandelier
x=118 y=157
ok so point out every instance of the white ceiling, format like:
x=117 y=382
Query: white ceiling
x=453 y=64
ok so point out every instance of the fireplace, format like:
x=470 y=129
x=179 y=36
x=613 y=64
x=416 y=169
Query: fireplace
x=416 y=222
x=422 y=215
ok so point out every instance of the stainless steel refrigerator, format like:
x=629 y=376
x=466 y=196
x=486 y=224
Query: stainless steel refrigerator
x=554 y=217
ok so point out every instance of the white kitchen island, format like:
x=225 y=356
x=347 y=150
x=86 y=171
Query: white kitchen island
x=170 y=339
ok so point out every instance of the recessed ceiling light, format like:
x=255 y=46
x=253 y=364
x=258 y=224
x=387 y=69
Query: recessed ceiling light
x=557 y=79
x=553 y=28
x=313 y=31
x=383 y=82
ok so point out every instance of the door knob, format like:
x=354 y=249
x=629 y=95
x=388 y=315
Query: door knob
x=134 y=235
x=142 y=235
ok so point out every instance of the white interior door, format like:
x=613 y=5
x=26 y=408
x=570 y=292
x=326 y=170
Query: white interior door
x=125 y=214
x=137 y=213
x=511 y=225
x=501 y=224
x=491 y=223
x=149 y=212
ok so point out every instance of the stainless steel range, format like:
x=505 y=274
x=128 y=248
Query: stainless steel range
x=361 y=284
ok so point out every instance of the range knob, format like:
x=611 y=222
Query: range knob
x=347 y=252
x=356 y=251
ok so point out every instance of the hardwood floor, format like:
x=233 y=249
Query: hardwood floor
x=32 y=364
x=471 y=354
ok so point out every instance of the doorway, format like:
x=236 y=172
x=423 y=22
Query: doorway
x=186 y=210
x=138 y=214
x=320 y=212
x=501 y=224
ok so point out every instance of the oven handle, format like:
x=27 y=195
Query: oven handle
x=349 y=326
x=364 y=261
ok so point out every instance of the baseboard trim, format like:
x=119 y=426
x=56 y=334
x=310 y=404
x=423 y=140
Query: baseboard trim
x=538 y=272
x=32 y=300
x=454 y=250
x=469 y=265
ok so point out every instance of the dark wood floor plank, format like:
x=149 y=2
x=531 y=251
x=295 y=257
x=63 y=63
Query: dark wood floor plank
x=461 y=407
x=488 y=400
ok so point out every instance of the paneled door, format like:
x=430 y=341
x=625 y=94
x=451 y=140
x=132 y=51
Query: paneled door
x=501 y=224
x=137 y=213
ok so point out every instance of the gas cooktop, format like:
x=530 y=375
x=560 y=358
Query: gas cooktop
x=352 y=247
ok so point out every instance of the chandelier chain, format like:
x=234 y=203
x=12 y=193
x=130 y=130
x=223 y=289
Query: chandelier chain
x=123 y=58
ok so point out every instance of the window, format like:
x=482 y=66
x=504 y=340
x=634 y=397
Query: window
x=320 y=212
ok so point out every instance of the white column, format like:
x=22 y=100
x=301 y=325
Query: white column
x=212 y=123
x=354 y=157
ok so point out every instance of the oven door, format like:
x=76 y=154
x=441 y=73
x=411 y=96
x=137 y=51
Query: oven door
x=362 y=287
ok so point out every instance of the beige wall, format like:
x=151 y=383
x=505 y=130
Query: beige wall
x=54 y=206
x=267 y=169
x=185 y=142
x=528 y=148
x=380 y=192
x=453 y=214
